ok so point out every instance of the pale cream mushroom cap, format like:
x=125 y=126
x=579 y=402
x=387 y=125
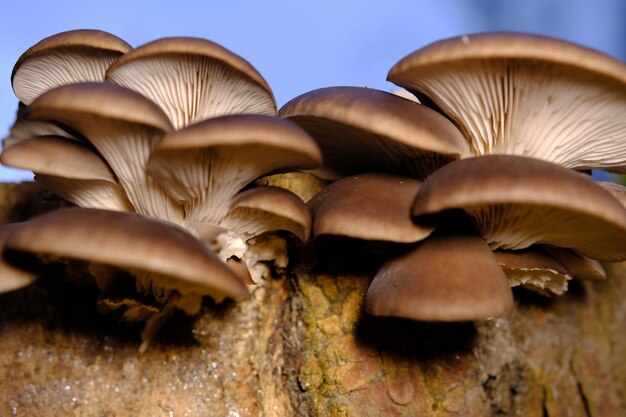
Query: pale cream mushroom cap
x=525 y=95
x=124 y=127
x=365 y=130
x=69 y=169
x=65 y=58
x=445 y=278
x=368 y=206
x=517 y=201
x=193 y=79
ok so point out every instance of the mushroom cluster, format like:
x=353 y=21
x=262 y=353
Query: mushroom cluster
x=477 y=183
x=158 y=146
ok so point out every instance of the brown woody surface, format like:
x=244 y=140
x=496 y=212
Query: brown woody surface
x=302 y=347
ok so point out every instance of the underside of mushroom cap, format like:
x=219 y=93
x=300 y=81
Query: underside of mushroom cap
x=26 y=129
x=193 y=79
x=446 y=278
x=205 y=165
x=124 y=127
x=368 y=206
x=130 y=242
x=517 y=201
x=525 y=95
x=65 y=58
x=69 y=169
x=362 y=129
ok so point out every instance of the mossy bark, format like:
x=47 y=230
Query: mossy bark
x=303 y=347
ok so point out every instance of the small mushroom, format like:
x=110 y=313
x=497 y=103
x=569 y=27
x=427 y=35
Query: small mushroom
x=124 y=127
x=525 y=95
x=365 y=130
x=65 y=58
x=205 y=165
x=11 y=276
x=534 y=270
x=368 y=206
x=446 y=278
x=27 y=129
x=193 y=79
x=517 y=201
x=70 y=170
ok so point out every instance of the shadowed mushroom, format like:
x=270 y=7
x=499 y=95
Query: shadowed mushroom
x=525 y=95
x=12 y=277
x=578 y=266
x=70 y=170
x=168 y=263
x=65 y=58
x=193 y=79
x=362 y=130
x=516 y=202
x=534 y=270
x=124 y=127
x=446 y=278
x=370 y=207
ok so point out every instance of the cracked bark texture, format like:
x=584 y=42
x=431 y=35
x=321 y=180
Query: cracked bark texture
x=302 y=347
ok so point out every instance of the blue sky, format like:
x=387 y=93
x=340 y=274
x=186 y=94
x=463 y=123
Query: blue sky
x=298 y=45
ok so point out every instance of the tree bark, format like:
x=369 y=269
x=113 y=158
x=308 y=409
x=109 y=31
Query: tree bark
x=303 y=347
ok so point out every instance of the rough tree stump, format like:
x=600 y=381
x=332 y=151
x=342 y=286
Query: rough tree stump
x=302 y=347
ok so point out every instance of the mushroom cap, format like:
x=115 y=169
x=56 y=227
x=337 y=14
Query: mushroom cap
x=65 y=58
x=26 y=129
x=11 y=277
x=391 y=134
x=445 y=278
x=129 y=241
x=535 y=270
x=265 y=209
x=525 y=95
x=156 y=68
x=578 y=266
x=206 y=164
x=518 y=201
x=124 y=127
x=368 y=206
x=70 y=169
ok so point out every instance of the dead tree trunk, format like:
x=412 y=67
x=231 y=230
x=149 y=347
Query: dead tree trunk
x=302 y=347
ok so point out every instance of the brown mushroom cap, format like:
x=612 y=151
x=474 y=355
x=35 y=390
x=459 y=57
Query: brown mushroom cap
x=368 y=206
x=65 y=58
x=131 y=242
x=193 y=79
x=362 y=129
x=124 y=127
x=534 y=270
x=265 y=209
x=11 y=277
x=205 y=165
x=525 y=95
x=446 y=278
x=578 y=266
x=517 y=201
x=69 y=169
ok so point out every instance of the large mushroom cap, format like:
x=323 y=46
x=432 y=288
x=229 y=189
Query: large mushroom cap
x=132 y=242
x=65 y=58
x=124 y=127
x=206 y=164
x=517 y=201
x=370 y=207
x=446 y=278
x=362 y=129
x=69 y=169
x=525 y=95
x=193 y=79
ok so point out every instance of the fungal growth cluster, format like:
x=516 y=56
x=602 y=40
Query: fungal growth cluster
x=156 y=146
x=477 y=184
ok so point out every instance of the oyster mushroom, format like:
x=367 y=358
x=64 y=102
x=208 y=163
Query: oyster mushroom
x=516 y=202
x=525 y=95
x=69 y=169
x=65 y=58
x=124 y=127
x=392 y=134
x=193 y=79
x=11 y=276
